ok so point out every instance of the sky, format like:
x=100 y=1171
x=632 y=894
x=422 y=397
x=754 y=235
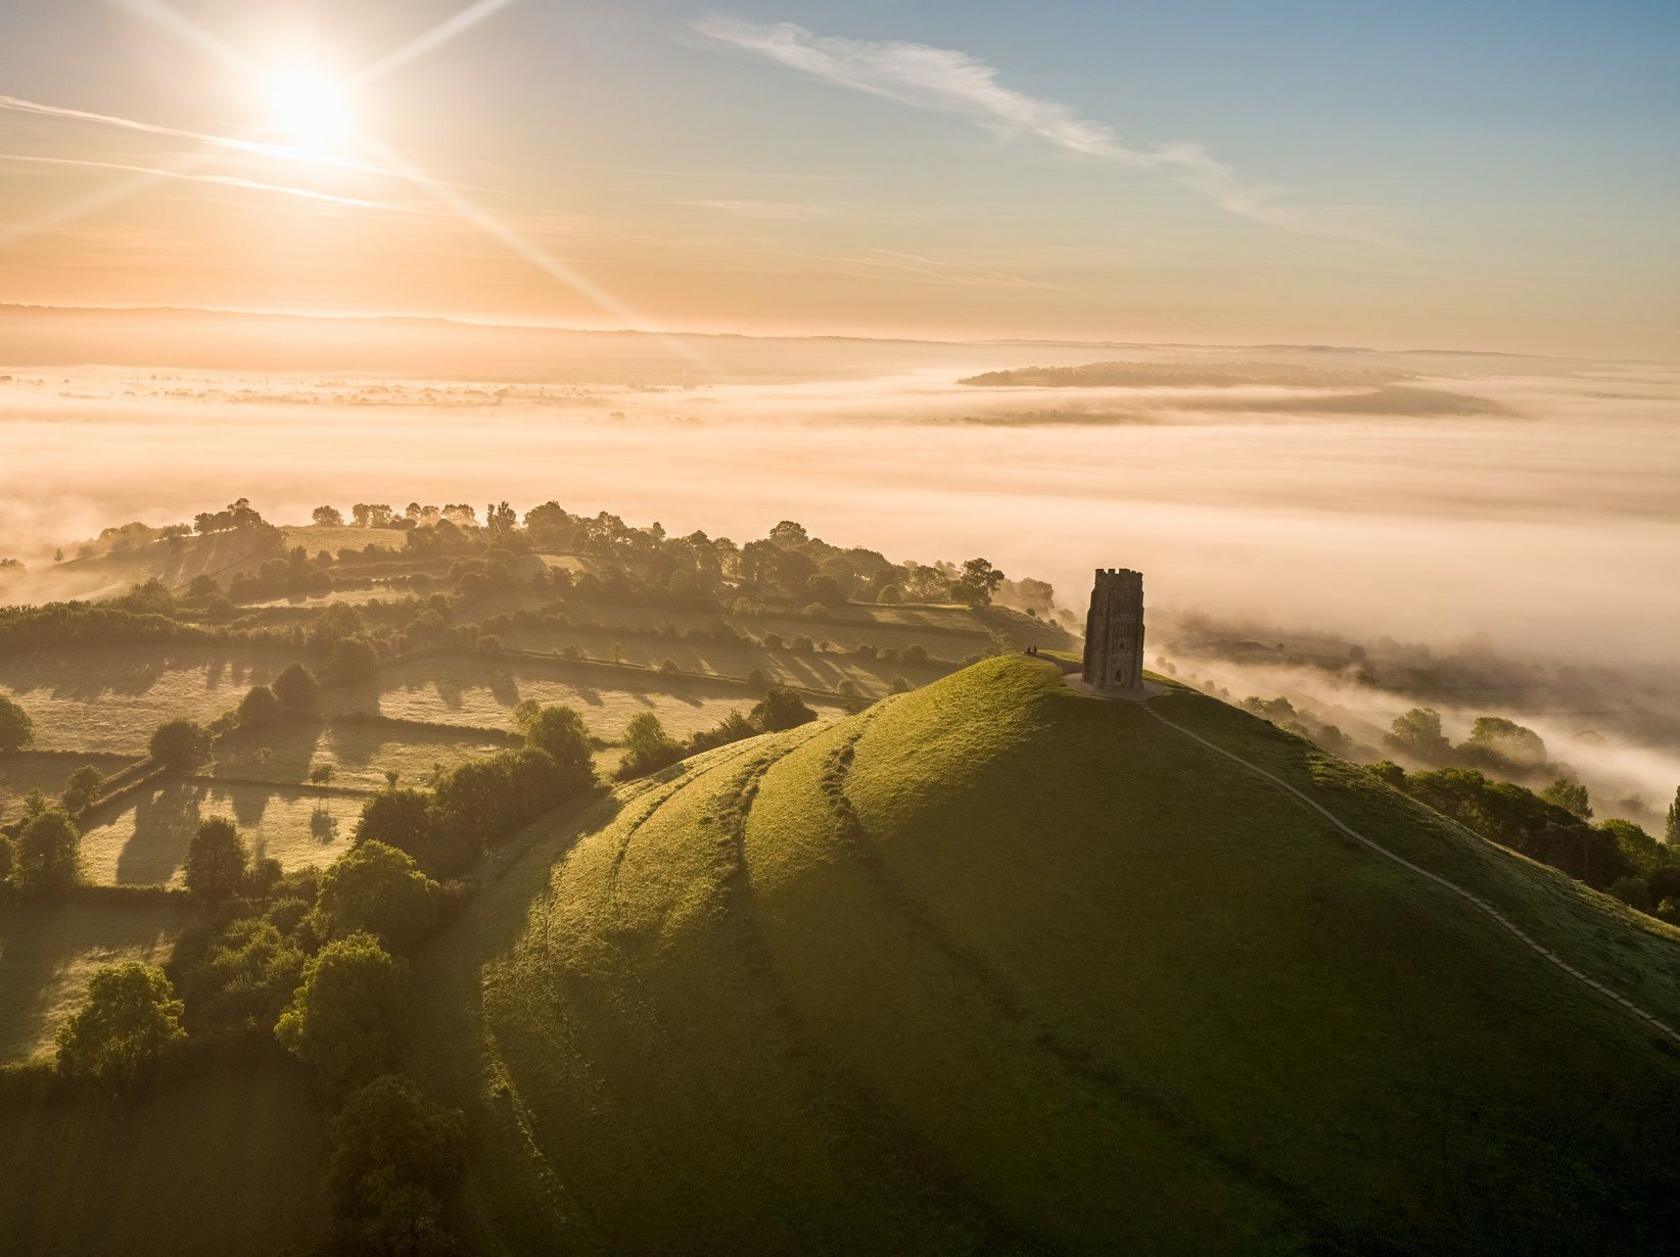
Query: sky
x=1496 y=176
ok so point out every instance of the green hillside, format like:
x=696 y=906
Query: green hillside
x=996 y=966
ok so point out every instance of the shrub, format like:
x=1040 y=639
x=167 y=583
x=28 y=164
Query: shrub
x=46 y=862
x=216 y=860
x=780 y=708
x=647 y=748
x=16 y=729
x=130 y=1019
x=258 y=707
x=297 y=688
x=669 y=668
x=393 y=1155
x=757 y=680
x=348 y=1019
x=376 y=889
x=180 y=744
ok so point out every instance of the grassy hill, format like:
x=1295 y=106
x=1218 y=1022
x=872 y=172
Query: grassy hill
x=996 y=966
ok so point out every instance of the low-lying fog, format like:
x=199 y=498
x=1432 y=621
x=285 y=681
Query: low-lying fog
x=1422 y=497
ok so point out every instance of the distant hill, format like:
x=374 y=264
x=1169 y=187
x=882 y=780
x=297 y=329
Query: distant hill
x=998 y=967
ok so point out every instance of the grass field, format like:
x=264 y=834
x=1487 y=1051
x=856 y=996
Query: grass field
x=999 y=967
x=48 y=952
x=143 y=840
x=109 y=699
x=465 y=690
x=359 y=754
x=859 y=626
x=816 y=672
x=348 y=537
x=227 y=1162
x=219 y=555
x=46 y=771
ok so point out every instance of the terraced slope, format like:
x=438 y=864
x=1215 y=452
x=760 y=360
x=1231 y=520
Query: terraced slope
x=999 y=967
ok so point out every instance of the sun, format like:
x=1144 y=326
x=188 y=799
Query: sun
x=309 y=110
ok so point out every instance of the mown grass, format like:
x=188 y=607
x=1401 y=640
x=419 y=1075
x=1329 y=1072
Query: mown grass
x=359 y=754
x=109 y=699
x=142 y=840
x=1000 y=967
x=228 y=1162
x=48 y=952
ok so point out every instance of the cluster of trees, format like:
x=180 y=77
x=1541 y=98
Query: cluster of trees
x=295 y=691
x=648 y=748
x=1554 y=826
x=483 y=802
x=235 y=516
x=1495 y=743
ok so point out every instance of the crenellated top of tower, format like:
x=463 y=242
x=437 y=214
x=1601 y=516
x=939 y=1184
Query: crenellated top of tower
x=1119 y=578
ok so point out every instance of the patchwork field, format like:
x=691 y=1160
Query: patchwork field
x=48 y=952
x=110 y=698
x=348 y=537
x=46 y=771
x=464 y=690
x=359 y=754
x=144 y=842
x=944 y=633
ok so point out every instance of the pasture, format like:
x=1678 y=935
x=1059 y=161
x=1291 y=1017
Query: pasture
x=359 y=753
x=142 y=840
x=49 y=951
x=109 y=699
x=46 y=771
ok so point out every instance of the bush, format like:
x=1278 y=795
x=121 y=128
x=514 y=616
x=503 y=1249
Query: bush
x=376 y=889
x=297 y=688
x=46 y=861
x=647 y=748
x=349 y=1018
x=180 y=744
x=130 y=1019
x=781 y=708
x=260 y=706
x=216 y=860
x=16 y=729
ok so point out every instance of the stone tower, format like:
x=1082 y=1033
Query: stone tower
x=1114 y=631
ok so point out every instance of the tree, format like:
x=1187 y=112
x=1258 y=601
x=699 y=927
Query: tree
x=217 y=859
x=1671 y=826
x=1418 y=733
x=647 y=748
x=1571 y=796
x=130 y=1019
x=788 y=533
x=780 y=708
x=1502 y=743
x=46 y=862
x=297 y=688
x=327 y=517
x=81 y=789
x=976 y=583
x=348 y=1018
x=403 y=819
x=16 y=728
x=353 y=659
x=560 y=733
x=376 y=889
x=392 y=1155
x=258 y=707
x=180 y=744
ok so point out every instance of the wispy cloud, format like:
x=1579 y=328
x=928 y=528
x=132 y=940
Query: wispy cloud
x=953 y=82
x=769 y=211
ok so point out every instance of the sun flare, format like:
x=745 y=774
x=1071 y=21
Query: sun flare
x=309 y=109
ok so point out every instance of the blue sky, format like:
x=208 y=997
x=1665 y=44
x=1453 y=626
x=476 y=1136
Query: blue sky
x=1488 y=175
